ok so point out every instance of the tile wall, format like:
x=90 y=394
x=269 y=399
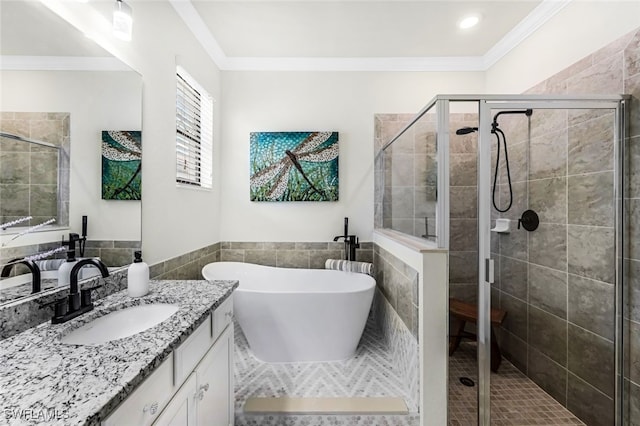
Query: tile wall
x=405 y=178
x=187 y=266
x=463 y=209
x=407 y=175
x=398 y=283
x=112 y=252
x=310 y=255
x=403 y=345
x=29 y=173
x=557 y=283
x=289 y=254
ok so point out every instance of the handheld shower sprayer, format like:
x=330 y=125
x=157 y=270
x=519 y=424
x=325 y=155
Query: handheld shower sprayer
x=495 y=129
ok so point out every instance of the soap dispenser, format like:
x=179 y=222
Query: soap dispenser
x=64 y=271
x=138 y=277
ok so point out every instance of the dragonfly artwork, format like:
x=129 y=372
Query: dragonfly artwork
x=121 y=164
x=294 y=166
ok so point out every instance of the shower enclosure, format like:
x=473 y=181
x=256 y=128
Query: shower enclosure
x=474 y=174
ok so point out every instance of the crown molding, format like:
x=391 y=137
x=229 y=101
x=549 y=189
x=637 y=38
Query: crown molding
x=61 y=63
x=400 y=64
x=194 y=22
x=534 y=20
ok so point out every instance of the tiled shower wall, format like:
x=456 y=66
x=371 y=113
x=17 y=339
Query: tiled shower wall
x=407 y=173
x=557 y=283
x=406 y=179
x=29 y=173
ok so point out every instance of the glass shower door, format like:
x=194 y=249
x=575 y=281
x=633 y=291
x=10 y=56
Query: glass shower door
x=549 y=261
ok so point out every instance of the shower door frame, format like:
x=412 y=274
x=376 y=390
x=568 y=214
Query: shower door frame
x=486 y=103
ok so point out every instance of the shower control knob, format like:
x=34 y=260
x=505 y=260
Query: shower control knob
x=529 y=220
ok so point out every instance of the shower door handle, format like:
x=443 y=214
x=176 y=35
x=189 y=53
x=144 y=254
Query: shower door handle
x=489 y=271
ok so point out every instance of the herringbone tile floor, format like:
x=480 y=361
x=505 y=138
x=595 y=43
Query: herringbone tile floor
x=370 y=373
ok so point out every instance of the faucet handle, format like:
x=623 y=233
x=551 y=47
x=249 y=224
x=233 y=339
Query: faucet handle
x=85 y=295
x=60 y=307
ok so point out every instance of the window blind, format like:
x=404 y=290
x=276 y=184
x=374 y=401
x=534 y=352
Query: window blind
x=194 y=132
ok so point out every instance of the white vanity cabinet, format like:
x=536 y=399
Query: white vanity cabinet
x=181 y=411
x=193 y=386
x=214 y=376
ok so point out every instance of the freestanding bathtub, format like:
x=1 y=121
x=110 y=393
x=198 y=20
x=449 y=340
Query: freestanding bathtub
x=298 y=315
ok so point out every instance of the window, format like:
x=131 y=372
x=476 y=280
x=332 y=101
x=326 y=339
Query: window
x=194 y=132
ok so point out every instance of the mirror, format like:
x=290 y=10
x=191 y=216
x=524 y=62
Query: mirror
x=60 y=88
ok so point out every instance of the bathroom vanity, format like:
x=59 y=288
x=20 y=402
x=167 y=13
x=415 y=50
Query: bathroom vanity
x=179 y=371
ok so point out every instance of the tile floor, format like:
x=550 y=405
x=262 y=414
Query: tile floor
x=516 y=400
x=369 y=373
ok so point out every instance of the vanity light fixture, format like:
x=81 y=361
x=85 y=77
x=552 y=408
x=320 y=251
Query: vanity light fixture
x=122 y=20
x=468 y=22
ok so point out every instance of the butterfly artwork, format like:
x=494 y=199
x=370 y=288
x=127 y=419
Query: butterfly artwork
x=294 y=166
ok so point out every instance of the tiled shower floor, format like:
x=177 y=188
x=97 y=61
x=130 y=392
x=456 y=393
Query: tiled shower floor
x=515 y=400
x=369 y=373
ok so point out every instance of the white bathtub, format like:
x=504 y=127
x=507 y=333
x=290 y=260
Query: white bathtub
x=298 y=315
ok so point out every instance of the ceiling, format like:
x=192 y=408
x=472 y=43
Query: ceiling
x=378 y=35
x=366 y=35
x=28 y=28
x=348 y=29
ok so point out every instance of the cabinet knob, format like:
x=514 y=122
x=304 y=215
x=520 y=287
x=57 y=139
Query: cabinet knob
x=151 y=408
x=228 y=314
x=201 y=390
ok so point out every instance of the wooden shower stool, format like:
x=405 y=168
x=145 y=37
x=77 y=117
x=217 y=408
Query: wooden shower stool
x=462 y=313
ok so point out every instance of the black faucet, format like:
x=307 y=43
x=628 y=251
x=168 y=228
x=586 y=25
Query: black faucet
x=350 y=242
x=79 y=302
x=33 y=267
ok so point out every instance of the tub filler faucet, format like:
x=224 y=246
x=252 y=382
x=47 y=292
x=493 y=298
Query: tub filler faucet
x=350 y=242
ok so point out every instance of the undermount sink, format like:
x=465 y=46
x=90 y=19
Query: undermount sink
x=120 y=324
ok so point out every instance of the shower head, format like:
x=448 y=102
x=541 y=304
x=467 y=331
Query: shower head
x=466 y=130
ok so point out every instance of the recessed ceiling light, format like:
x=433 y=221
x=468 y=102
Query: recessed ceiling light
x=469 y=21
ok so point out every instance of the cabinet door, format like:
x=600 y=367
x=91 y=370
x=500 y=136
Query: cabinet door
x=215 y=400
x=144 y=405
x=181 y=409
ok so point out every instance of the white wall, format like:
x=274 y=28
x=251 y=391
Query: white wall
x=576 y=31
x=338 y=101
x=174 y=220
x=96 y=101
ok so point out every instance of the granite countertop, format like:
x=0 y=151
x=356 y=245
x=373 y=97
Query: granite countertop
x=13 y=293
x=43 y=381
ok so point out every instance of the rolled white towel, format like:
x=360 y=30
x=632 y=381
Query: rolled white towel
x=349 y=266
x=49 y=264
